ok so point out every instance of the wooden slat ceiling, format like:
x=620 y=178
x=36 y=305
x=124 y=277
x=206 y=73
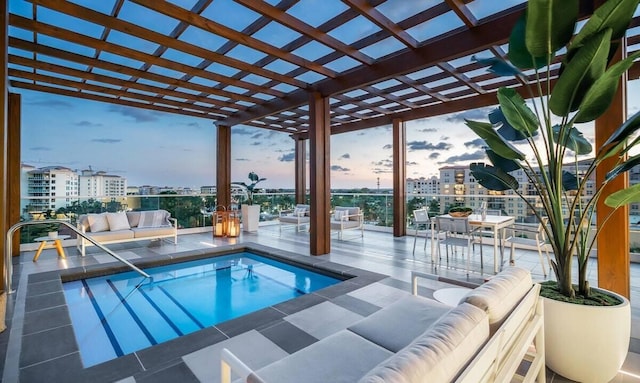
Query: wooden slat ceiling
x=255 y=62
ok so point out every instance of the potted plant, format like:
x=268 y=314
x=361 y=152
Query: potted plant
x=576 y=347
x=250 y=212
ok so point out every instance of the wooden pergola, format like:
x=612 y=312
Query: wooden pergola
x=290 y=66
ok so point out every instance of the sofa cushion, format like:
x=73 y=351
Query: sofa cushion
x=145 y=232
x=397 y=325
x=154 y=218
x=134 y=218
x=340 y=358
x=338 y=214
x=352 y=211
x=499 y=296
x=106 y=236
x=440 y=353
x=98 y=222
x=293 y=219
x=118 y=221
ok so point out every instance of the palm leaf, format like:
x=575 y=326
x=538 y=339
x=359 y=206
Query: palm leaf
x=572 y=139
x=623 y=167
x=518 y=53
x=493 y=178
x=569 y=181
x=624 y=197
x=586 y=66
x=500 y=162
x=550 y=25
x=485 y=131
x=614 y=14
x=617 y=139
x=517 y=113
x=498 y=66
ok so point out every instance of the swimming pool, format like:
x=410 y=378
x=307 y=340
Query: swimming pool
x=119 y=314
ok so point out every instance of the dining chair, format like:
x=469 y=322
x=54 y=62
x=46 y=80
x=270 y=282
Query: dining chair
x=529 y=236
x=457 y=233
x=421 y=220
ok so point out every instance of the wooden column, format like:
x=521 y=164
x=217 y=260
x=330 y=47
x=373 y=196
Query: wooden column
x=613 y=256
x=301 y=168
x=4 y=21
x=399 y=178
x=223 y=168
x=13 y=168
x=320 y=176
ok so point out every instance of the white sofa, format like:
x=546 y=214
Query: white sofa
x=299 y=216
x=346 y=218
x=128 y=226
x=485 y=338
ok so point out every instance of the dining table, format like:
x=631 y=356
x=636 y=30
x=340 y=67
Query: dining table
x=494 y=223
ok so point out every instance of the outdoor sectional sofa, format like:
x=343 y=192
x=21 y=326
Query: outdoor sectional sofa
x=485 y=338
x=128 y=226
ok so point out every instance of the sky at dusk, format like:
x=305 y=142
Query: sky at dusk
x=162 y=149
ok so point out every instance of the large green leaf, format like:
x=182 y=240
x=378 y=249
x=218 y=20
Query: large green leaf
x=601 y=93
x=498 y=66
x=493 y=178
x=623 y=197
x=623 y=167
x=573 y=139
x=506 y=164
x=619 y=137
x=569 y=181
x=485 y=131
x=550 y=25
x=518 y=114
x=518 y=53
x=614 y=14
x=585 y=67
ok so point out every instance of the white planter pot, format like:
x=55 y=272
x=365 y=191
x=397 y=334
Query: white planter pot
x=250 y=217
x=586 y=343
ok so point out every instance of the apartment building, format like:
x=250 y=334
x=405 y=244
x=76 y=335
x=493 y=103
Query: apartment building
x=101 y=184
x=423 y=186
x=53 y=187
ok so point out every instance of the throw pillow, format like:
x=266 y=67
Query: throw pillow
x=299 y=211
x=98 y=222
x=338 y=214
x=154 y=218
x=118 y=221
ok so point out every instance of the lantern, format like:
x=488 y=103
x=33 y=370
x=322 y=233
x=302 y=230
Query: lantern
x=226 y=223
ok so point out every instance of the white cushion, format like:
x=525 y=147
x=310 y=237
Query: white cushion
x=155 y=218
x=299 y=211
x=118 y=221
x=338 y=214
x=98 y=222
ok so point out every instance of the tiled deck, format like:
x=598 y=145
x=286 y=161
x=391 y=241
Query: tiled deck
x=39 y=344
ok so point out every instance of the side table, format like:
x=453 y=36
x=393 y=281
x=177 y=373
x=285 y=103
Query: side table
x=56 y=243
x=450 y=295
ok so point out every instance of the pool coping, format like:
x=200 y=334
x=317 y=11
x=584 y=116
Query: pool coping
x=49 y=349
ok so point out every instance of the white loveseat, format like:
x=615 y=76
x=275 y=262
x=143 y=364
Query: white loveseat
x=346 y=218
x=128 y=226
x=484 y=339
x=299 y=216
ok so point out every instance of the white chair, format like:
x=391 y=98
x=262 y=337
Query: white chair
x=420 y=219
x=529 y=236
x=457 y=232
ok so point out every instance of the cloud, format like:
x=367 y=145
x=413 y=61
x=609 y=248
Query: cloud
x=242 y=131
x=242 y=159
x=256 y=135
x=386 y=163
x=106 y=140
x=477 y=155
x=382 y=171
x=387 y=146
x=338 y=168
x=475 y=114
x=428 y=130
x=412 y=163
x=51 y=103
x=138 y=114
x=345 y=156
x=40 y=148
x=434 y=156
x=289 y=157
x=477 y=143
x=424 y=145
x=88 y=124
x=256 y=143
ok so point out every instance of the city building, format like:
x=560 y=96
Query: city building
x=101 y=184
x=53 y=187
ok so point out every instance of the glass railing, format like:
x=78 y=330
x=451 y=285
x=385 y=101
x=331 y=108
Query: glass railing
x=194 y=211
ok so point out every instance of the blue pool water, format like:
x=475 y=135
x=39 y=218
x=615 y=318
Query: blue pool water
x=113 y=316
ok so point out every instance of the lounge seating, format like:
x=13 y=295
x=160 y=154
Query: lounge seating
x=119 y=227
x=347 y=218
x=299 y=217
x=484 y=339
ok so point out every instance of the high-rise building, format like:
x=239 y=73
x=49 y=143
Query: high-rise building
x=55 y=187
x=101 y=184
x=423 y=186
